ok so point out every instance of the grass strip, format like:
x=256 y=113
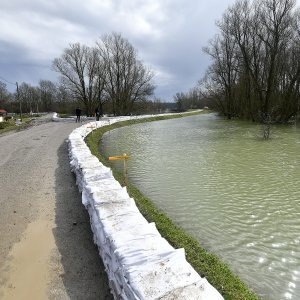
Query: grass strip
x=206 y=264
x=11 y=126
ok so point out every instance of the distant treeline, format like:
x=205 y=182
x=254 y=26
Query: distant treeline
x=255 y=68
x=194 y=99
x=108 y=76
x=49 y=97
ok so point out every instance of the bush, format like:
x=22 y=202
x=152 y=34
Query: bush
x=4 y=125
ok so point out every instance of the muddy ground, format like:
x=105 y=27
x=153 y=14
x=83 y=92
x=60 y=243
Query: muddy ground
x=46 y=244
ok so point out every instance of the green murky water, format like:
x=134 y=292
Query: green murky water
x=237 y=194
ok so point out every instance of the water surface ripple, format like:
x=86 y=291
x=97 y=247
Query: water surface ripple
x=235 y=193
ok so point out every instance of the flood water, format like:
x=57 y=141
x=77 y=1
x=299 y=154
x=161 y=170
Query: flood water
x=234 y=192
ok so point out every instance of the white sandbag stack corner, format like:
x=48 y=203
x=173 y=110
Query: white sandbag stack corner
x=56 y=118
x=139 y=262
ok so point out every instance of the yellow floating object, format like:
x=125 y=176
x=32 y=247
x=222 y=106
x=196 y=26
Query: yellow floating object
x=125 y=156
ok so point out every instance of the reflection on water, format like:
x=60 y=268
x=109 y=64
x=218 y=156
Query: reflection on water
x=237 y=194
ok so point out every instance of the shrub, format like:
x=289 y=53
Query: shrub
x=4 y=125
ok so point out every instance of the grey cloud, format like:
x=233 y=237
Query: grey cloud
x=169 y=35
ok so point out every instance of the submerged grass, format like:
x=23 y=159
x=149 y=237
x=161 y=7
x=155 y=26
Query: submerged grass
x=206 y=264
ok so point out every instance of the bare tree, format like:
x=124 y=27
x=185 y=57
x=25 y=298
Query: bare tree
x=78 y=67
x=256 y=60
x=127 y=80
x=3 y=91
x=48 y=94
x=180 y=100
x=224 y=70
x=64 y=100
x=29 y=97
x=109 y=72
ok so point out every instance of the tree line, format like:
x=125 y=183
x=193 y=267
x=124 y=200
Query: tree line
x=255 y=64
x=45 y=97
x=108 y=75
x=193 y=99
x=255 y=69
x=110 y=72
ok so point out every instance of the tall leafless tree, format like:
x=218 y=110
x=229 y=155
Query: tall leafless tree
x=78 y=67
x=48 y=95
x=111 y=71
x=127 y=80
x=256 y=60
x=29 y=96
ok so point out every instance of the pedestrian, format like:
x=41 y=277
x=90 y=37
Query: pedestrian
x=97 y=114
x=78 y=114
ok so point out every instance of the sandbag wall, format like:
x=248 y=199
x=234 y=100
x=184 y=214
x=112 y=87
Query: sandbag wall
x=139 y=262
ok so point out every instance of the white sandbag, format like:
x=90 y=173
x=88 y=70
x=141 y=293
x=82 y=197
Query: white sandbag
x=201 y=290
x=120 y=222
x=114 y=195
x=102 y=184
x=108 y=209
x=142 y=251
x=149 y=281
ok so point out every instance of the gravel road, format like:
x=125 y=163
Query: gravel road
x=46 y=244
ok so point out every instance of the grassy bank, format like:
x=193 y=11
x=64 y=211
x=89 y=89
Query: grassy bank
x=206 y=264
x=10 y=125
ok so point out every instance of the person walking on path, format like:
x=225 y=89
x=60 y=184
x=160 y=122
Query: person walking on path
x=97 y=113
x=78 y=114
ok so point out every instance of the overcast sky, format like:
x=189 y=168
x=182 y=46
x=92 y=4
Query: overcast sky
x=168 y=34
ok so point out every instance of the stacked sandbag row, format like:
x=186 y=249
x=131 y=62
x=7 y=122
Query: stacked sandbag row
x=139 y=262
x=56 y=118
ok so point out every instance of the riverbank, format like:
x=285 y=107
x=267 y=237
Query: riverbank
x=206 y=264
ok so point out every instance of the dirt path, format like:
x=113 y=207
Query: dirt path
x=46 y=245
